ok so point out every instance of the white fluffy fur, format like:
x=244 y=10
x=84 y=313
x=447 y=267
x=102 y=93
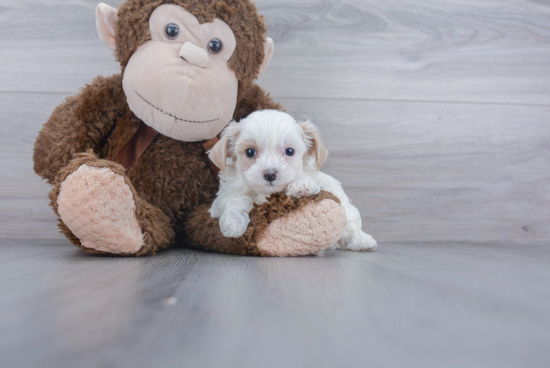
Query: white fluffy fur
x=270 y=133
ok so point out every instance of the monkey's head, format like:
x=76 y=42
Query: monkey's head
x=186 y=63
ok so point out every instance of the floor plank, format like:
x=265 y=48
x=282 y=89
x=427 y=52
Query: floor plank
x=434 y=50
x=51 y=46
x=437 y=50
x=406 y=305
x=417 y=171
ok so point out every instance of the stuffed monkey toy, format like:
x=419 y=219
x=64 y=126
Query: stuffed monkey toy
x=126 y=157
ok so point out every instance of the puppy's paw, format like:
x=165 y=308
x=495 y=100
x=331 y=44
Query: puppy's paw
x=303 y=187
x=233 y=224
x=361 y=242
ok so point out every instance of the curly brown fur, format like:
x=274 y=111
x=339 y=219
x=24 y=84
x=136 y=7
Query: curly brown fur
x=241 y=16
x=253 y=100
x=82 y=122
x=205 y=234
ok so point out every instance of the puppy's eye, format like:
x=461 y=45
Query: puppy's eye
x=172 y=31
x=215 y=46
x=251 y=152
x=289 y=151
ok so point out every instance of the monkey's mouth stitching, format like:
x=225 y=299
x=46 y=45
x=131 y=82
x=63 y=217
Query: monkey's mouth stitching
x=175 y=117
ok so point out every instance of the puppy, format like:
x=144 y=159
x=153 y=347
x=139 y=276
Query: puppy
x=269 y=152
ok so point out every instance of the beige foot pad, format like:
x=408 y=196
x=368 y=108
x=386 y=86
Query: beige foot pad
x=316 y=227
x=98 y=207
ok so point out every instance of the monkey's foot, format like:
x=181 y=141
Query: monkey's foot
x=98 y=207
x=282 y=226
x=313 y=226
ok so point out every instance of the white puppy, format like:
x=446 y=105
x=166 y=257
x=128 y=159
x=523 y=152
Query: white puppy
x=267 y=153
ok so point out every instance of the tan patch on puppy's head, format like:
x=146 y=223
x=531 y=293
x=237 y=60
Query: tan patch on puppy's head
x=240 y=152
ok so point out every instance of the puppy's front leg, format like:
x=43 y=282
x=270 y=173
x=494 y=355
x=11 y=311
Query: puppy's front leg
x=234 y=220
x=306 y=186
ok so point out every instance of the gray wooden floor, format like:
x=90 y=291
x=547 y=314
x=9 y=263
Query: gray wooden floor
x=436 y=114
x=437 y=305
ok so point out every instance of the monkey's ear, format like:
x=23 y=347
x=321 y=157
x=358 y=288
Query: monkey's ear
x=315 y=144
x=105 y=22
x=269 y=47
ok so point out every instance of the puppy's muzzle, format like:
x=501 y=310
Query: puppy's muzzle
x=270 y=175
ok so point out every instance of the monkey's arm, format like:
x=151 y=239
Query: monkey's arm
x=80 y=123
x=253 y=100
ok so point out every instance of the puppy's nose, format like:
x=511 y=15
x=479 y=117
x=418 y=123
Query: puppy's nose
x=270 y=175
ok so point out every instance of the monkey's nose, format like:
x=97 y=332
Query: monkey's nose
x=270 y=175
x=194 y=54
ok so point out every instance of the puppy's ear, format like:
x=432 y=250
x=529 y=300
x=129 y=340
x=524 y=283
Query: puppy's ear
x=314 y=142
x=219 y=153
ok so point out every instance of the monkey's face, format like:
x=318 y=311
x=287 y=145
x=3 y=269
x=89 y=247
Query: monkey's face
x=179 y=82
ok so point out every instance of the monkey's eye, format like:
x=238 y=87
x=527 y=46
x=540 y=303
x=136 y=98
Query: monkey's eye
x=289 y=151
x=251 y=152
x=215 y=46
x=172 y=31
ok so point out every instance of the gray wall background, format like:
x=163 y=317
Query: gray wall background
x=435 y=113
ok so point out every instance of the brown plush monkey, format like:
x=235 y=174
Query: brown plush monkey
x=126 y=157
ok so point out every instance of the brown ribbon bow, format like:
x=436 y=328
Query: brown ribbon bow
x=130 y=151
